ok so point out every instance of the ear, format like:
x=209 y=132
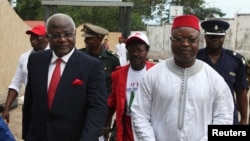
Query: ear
x=46 y=38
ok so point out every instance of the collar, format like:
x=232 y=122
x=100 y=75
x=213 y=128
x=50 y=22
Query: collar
x=65 y=58
x=197 y=66
x=103 y=54
x=222 y=55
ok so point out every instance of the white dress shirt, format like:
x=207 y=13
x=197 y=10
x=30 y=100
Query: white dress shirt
x=20 y=77
x=52 y=65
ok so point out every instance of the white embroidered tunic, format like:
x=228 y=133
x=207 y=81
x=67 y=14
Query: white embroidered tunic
x=177 y=104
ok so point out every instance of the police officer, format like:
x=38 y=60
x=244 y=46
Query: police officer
x=93 y=39
x=228 y=63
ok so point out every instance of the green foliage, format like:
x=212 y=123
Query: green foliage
x=153 y=9
x=198 y=8
x=108 y=17
x=203 y=13
x=30 y=9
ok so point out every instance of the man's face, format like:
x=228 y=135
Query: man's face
x=61 y=36
x=137 y=54
x=38 y=42
x=185 y=44
x=93 y=44
x=214 y=41
x=120 y=40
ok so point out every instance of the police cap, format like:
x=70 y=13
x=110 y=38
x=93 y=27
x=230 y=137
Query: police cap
x=215 y=27
x=91 y=30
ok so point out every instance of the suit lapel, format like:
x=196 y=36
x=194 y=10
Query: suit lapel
x=69 y=72
x=45 y=71
x=123 y=86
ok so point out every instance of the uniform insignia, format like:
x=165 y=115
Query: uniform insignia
x=234 y=53
x=243 y=61
x=216 y=27
x=232 y=73
x=105 y=68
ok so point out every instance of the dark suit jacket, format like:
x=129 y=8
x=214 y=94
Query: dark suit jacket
x=78 y=111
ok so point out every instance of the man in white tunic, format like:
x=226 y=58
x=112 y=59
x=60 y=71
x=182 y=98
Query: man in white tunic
x=179 y=97
x=121 y=51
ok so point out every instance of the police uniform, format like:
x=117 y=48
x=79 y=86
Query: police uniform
x=230 y=65
x=109 y=60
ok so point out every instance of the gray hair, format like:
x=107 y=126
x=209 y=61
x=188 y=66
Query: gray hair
x=62 y=16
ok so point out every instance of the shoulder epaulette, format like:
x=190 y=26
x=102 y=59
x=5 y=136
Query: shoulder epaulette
x=237 y=55
x=113 y=54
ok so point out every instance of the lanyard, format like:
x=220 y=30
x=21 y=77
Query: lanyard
x=132 y=95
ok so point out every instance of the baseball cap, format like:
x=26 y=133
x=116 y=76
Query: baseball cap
x=215 y=27
x=186 y=21
x=38 y=30
x=137 y=36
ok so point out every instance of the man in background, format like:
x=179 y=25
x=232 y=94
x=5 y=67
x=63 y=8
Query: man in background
x=93 y=38
x=106 y=45
x=126 y=80
x=229 y=64
x=39 y=42
x=121 y=51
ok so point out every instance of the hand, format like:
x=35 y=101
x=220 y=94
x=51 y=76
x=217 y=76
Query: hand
x=6 y=115
x=105 y=133
x=243 y=122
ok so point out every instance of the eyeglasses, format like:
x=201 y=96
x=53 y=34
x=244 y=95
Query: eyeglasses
x=59 y=36
x=182 y=40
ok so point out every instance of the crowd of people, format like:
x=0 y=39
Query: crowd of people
x=76 y=94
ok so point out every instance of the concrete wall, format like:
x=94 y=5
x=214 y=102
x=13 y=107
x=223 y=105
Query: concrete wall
x=237 y=37
x=13 y=42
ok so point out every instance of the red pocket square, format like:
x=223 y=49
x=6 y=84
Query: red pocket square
x=77 y=82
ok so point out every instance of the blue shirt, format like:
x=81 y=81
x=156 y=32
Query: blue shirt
x=231 y=66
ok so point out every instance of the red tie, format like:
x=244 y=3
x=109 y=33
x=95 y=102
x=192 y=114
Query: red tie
x=55 y=78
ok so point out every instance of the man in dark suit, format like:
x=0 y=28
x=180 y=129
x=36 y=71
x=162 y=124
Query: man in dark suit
x=77 y=111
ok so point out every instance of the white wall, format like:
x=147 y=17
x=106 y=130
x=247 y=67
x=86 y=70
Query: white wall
x=237 y=37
